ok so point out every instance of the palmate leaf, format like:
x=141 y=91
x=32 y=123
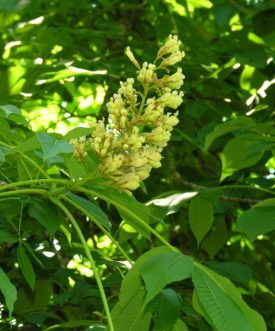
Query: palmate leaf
x=221 y=304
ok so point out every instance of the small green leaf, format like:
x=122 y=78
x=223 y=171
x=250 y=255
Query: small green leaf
x=257 y=221
x=46 y=214
x=163 y=269
x=25 y=266
x=52 y=148
x=200 y=217
x=8 y=290
x=216 y=238
x=92 y=209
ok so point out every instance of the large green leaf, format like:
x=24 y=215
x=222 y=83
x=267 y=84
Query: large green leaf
x=222 y=304
x=25 y=266
x=8 y=290
x=163 y=269
x=257 y=221
x=200 y=217
x=92 y=209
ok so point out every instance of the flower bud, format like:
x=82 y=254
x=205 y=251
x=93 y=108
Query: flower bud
x=131 y=57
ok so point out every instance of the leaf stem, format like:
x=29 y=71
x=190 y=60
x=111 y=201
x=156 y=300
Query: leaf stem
x=90 y=258
x=24 y=191
x=33 y=181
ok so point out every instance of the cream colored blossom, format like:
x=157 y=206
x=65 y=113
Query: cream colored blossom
x=172 y=45
x=146 y=74
x=137 y=129
x=172 y=59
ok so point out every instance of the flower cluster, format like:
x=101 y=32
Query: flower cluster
x=138 y=128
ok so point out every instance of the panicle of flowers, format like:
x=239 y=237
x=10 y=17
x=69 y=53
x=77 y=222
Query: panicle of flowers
x=130 y=144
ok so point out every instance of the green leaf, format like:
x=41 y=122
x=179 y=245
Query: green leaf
x=200 y=217
x=6 y=237
x=242 y=152
x=239 y=124
x=166 y=307
x=132 y=211
x=46 y=214
x=92 y=209
x=216 y=238
x=128 y=314
x=77 y=133
x=133 y=316
x=28 y=145
x=257 y=221
x=25 y=266
x=163 y=269
x=13 y=114
x=223 y=304
x=235 y=271
x=8 y=290
x=53 y=148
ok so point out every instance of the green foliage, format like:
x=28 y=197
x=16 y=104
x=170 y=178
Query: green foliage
x=192 y=249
